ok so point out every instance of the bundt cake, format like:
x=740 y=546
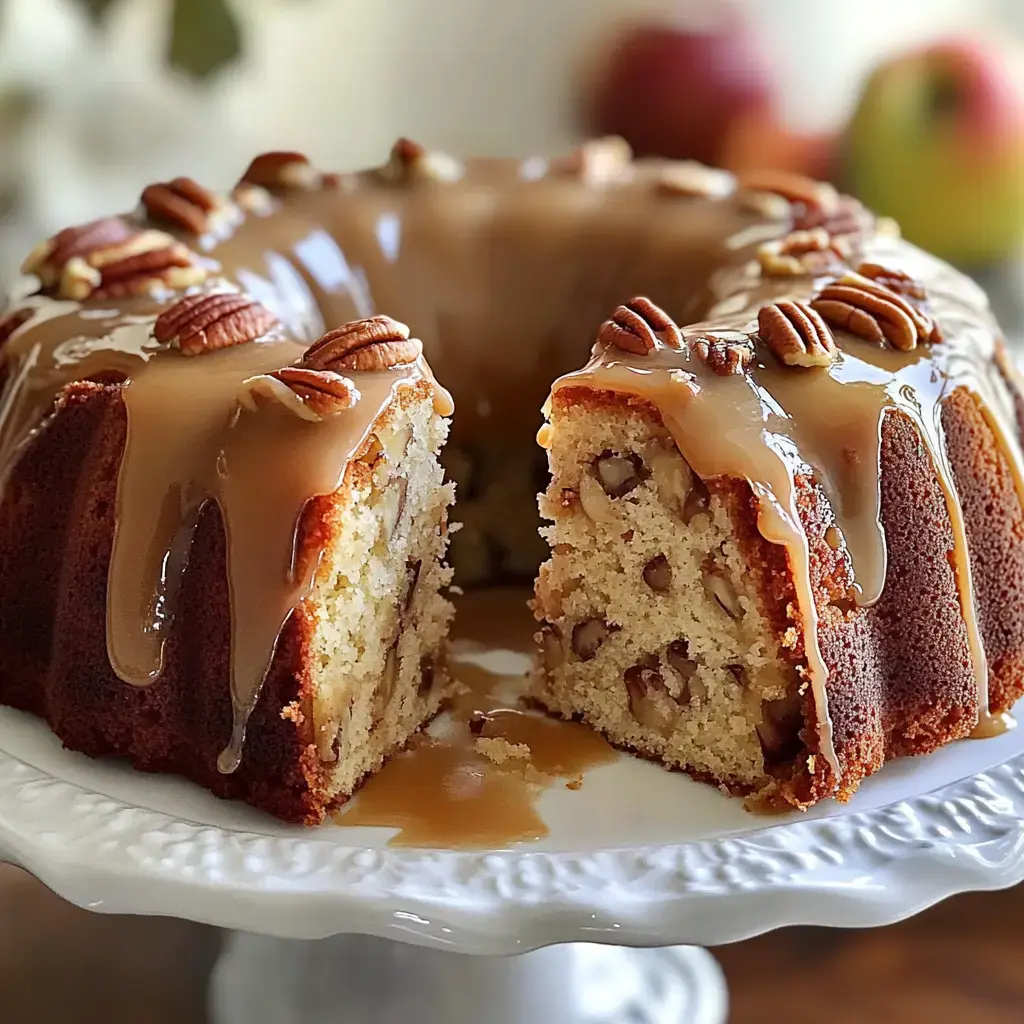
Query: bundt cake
x=784 y=539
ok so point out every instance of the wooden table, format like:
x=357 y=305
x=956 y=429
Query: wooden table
x=960 y=962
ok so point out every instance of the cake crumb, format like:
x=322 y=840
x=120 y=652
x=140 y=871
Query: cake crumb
x=293 y=713
x=575 y=783
x=499 y=750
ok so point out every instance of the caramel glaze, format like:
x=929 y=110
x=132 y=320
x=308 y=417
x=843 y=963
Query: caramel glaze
x=776 y=423
x=504 y=273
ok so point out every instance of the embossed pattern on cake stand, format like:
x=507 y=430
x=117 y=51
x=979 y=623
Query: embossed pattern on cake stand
x=637 y=858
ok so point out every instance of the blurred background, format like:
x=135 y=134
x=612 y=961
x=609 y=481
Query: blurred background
x=916 y=106
x=99 y=97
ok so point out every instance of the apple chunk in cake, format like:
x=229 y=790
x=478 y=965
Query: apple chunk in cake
x=652 y=628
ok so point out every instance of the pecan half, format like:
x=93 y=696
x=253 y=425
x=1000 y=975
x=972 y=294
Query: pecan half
x=640 y=327
x=597 y=161
x=895 y=280
x=689 y=179
x=283 y=171
x=800 y=253
x=410 y=163
x=310 y=394
x=48 y=259
x=797 y=189
x=150 y=263
x=848 y=216
x=796 y=334
x=378 y=343
x=205 y=323
x=185 y=204
x=723 y=355
x=874 y=312
x=110 y=258
x=909 y=288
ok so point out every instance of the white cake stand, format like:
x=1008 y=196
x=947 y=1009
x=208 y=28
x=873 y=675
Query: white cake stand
x=638 y=858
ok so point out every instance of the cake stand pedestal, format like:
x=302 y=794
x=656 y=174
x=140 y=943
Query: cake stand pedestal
x=598 y=923
x=361 y=980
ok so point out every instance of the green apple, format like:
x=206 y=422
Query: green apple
x=937 y=142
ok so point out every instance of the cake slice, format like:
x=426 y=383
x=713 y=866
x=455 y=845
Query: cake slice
x=653 y=628
x=224 y=552
x=772 y=566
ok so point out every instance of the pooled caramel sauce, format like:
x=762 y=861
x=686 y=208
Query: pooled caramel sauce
x=444 y=791
x=990 y=725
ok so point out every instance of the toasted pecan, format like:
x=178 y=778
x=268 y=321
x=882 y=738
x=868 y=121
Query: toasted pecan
x=410 y=163
x=205 y=323
x=723 y=354
x=796 y=334
x=185 y=204
x=283 y=171
x=800 y=253
x=640 y=327
x=377 y=343
x=310 y=394
x=874 y=312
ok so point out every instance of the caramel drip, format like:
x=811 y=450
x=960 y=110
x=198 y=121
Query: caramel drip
x=990 y=726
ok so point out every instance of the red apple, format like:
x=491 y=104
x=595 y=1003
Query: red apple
x=674 y=92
